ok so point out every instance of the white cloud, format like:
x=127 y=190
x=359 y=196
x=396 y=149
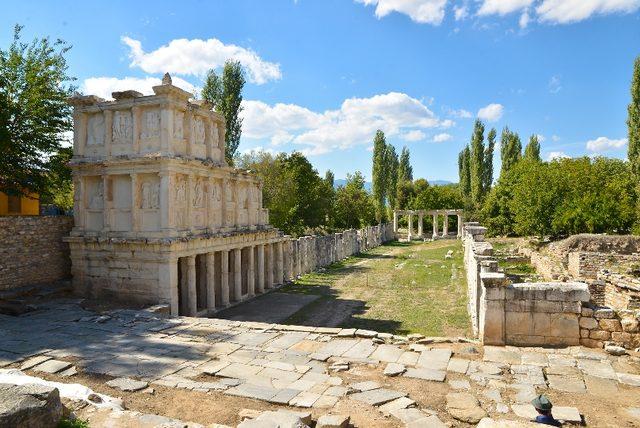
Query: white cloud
x=602 y=144
x=557 y=155
x=195 y=57
x=555 y=84
x=258 y=149
x=555 y=138
x=441 y=138
x=568 y=11
x=420 y=11
x=104 y=86
x=460 y=12
x=413 y=135
x=353 y=123
x=491 y=113
x=502 y=7
x=461 y=113
x=524 y=20
x=541 y=138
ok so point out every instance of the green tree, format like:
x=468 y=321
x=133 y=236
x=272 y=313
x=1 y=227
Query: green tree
x=330 y=178
x=34 y=113
x=354 y=207
x=392 y=182
x=225 y=95
x=487 y=179
x=464 y=172
x=379 y=172
x=633 y=120
x=405 y=171
x=532 y=150
x=510 y=149
x=477 y=162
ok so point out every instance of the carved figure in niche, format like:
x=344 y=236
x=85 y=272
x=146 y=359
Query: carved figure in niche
x=198 y=131
x=197 y=195
x=178 y=125
x=227 y=191
x=150 y=196
x=95 y=136
x=151 y=124
x=216 y=192
x=97 y=197
x=181 y=201
x=242 y=196
x=122 y=127
x=214 y=134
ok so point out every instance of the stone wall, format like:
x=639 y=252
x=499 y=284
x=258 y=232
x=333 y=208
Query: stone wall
x=586 y=265
x=548 y=267
x=32 y=251
x=601 y=325
x=621 y=291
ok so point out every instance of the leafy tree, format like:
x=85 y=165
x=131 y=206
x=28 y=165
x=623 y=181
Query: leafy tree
x=464 y=172
x=354 y=207
x=34 y=89
x=60 y=188
x=392 y=182
x=510 y=149
x=532 y=150
x=405 y=171
x=477 y=162
x=225 y=95
x=404 y=194
x=330 y=178
x=487 y=179
x=379 y=172
x=633 y=120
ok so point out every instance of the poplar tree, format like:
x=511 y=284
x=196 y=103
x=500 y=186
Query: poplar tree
x=487 y=179
x=225 y=95
x=477 y=161
x=330 y=178
x=405 y=171
x=379 y=172
x=633 y=120
x=464 y=172
x=510 y=150
x=392 y=182
x=532 y=150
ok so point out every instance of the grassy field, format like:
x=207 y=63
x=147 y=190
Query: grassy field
x=398 y=288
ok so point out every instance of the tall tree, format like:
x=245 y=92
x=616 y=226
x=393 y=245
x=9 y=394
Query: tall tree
x=392 y=182
x=532 y=150
x=330 y=178
x=510 y=150
x=405 y=171
x=487 y=179
x=379 y=172
x=477 y=162
x=225 y=95
x=464 y=172
x=34 y=89
x=633 y=120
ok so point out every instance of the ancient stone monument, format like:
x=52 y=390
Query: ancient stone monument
x=159 y=215
x=411 y=214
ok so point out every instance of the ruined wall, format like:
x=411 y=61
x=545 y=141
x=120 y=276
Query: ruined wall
x=32 y=251
x=586 y=264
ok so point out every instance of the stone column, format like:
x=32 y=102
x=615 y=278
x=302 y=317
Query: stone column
x=224 y=278
x=445 y=226
x=166 y=129
x=459 y=226
x=211 y=281
x=189 y=207
x=187 y=130
x=135 y=212
x=270 y=265
x=251 y=273
x=165 y=201
x=261 y=268
x=168 y=283
x=79 y=133
x=420 y=218
x=237 y=274
x=192 y=294
x=279 y=263
x=135 y=113
x=410 y=227
x=108 y=132
x=106 y=203
x=395 y=221
x=435 y=226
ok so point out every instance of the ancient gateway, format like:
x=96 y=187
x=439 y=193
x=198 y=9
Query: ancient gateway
x=161 y=218
x=411 y=214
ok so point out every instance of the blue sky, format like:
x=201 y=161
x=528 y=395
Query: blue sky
x=323 y=75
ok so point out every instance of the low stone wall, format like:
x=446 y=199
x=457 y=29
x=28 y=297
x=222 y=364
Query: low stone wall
x=549 y=268
x=586 y=265
x=601 y=325
x=620 y=292
x=32 y=251
x=308 y=253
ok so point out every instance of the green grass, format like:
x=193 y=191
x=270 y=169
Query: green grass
x=415 y=290
x=76 y=423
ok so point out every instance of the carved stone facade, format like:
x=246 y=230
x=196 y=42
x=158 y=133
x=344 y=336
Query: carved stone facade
x=159 y=215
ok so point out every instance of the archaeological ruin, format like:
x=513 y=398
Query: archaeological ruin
x=160 y=218
x=435 y=214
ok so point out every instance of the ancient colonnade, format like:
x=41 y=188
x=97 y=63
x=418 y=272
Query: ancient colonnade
x=435 y=214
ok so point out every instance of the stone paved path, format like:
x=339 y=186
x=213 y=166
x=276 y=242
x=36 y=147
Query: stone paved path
x=296 y=366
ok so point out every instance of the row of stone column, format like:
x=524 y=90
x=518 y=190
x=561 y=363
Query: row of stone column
x=435 y=234
x=214 y=280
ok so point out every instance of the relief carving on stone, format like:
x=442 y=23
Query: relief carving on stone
x=214 y=134
x=95 y=128
x=242 y=196
x=178 y=125
x=198 y=199
x=96 y=200
x=151 y=124
x=180 y=200
x=198 y=131
x=150 y=196
x=122 y=127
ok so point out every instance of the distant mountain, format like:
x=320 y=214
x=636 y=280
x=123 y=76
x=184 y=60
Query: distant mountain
x=367 y=185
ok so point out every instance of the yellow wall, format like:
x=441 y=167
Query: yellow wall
x=30 y=205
